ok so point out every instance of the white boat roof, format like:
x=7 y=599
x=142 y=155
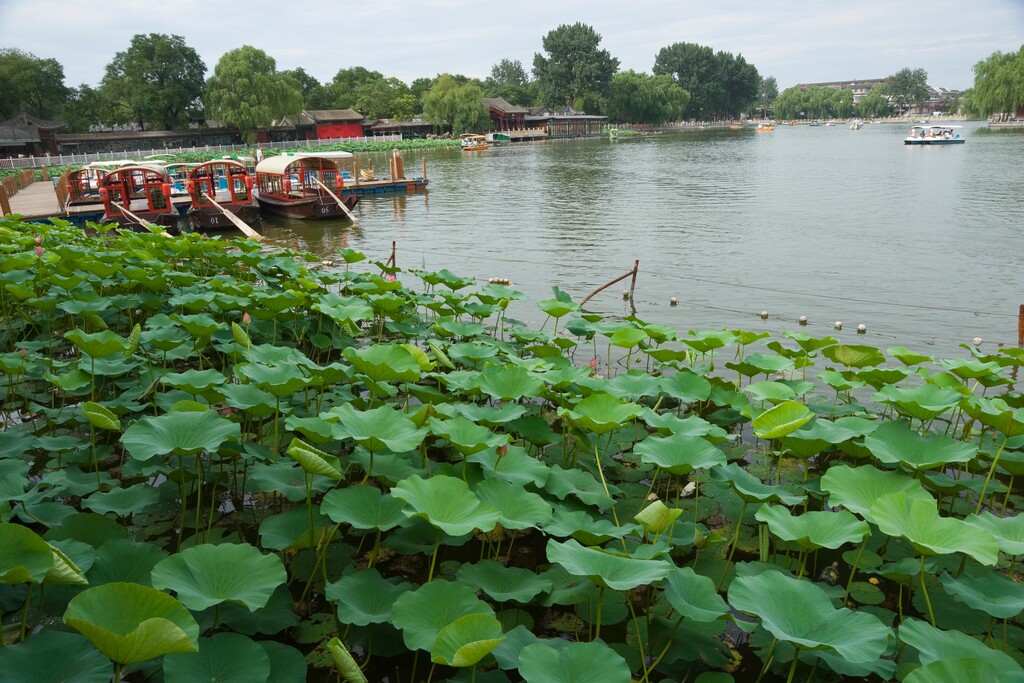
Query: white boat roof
x=935 y=125
x=325 y=155
x=280 y=164
x=112 y=162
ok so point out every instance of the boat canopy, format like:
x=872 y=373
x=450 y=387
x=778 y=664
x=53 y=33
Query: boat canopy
x=325 y=155
x=281 y=165
x=111 y=163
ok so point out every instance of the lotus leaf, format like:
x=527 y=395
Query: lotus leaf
x=120 y=559
x=801 y=613
x=98 y=344
x=315 y=461
x=854 y=356
x=935 y=645
x=25 y=557
x=287 y=665
x=130 y=623
x=991 y=593
x=780 y=420
x=679 y=453
x=365 y=597
x=422 y=613
x=895 y=442
x=206 y=575
x=279 y=380
x=924 y=402
x=179 y=433
x=509 y=383
x=771 y=391
x=290 y=530
x=447 y=503
x=816 y=436
x=223 y=657
x=857 y=488
x=750 y=488
x=503 y=583
x=656 y=518
x=694 y=596
x=122 y=501
x=962 y=670
x=384 y=363
x=918 y=521
x=562 y=483
x=364 y=507
x=592 y=662
x=467 y=640
x=467 y=437
x=286 y=478
x=1008 y=531
x=344 y=662
x=601 y=413
x=814 y=529
x=617 y=572
x=33 y=660
x=378 y=428
x=100 y=416
x=517 y=507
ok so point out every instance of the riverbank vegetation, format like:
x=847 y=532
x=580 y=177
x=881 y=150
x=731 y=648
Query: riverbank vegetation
x=222 y=463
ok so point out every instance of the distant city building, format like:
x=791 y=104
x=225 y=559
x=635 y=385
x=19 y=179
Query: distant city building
x=938 y=98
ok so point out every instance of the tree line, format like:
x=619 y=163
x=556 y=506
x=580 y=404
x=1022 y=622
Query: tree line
x=159 y=82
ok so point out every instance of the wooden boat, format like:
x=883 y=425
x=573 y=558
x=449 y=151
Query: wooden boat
x=764 y=127
x=473 y=143
x=934 y=135
x=134 y=196
x=229 y=185
x=302 y=187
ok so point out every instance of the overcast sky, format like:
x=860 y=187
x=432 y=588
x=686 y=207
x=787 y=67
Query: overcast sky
x=796 y=41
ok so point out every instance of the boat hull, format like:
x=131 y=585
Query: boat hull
x=209 y=218
x=953 y=141
x=168 y=221
x=309 y=208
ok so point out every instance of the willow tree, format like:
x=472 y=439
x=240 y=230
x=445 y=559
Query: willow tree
x=999 y=83
x=247 y=92
x=455 y=105
x=642 y=98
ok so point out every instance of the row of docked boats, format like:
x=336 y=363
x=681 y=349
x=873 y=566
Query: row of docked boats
x=213 y=195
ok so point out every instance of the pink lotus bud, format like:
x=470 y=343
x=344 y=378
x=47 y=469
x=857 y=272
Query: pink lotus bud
x=22 y=352
x=39 y=240
x=39 y=251
x=502 y=450
x=593 y=363
x=246 y=318
x=390 y=277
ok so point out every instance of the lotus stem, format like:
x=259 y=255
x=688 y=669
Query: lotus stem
x=768 y=660
x=600 y=604
x=639 y=640
x=792 y=667
x=927 y=600
x=991 y=471
x=433 y=557
x=24 y=612
x=117 y=672
x=853 y=570
x=732 y=549
x=604 y=482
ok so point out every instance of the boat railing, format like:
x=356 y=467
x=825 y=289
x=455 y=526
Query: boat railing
x=140 y=154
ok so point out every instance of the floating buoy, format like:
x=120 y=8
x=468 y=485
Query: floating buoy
x=764 y=315
x=862 y=328
x=327 y=263
x=802 y=320
x=689 y=489
x=499 y=281
x=976 y=341
x=838 y=325
x=625 y=294
x=673 y=301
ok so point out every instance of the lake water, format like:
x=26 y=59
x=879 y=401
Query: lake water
x=920 y=244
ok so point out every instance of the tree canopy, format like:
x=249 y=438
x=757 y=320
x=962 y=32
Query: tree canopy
x=509 y=80
x=575 y=71
x=30 y=82
x=720 y=84
x=767 y=91
x=246 y=91
x=999 y=83
x=874 y=104
x=450 y=103
x=641 y=98
x=814 y=102
x=157 y=80
x=907 y=86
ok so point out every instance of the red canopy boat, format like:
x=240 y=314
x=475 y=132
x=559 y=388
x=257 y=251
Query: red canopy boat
x=228 y=184
x=134 y=195
x=302 y=187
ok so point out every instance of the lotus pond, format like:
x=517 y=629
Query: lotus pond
x=224 y=464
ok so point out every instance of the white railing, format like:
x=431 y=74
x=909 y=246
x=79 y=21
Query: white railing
x=85 y=158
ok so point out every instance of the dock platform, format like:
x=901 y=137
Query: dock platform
x=36 y=202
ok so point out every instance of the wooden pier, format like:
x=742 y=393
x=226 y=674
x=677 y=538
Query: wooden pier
x=34 y=201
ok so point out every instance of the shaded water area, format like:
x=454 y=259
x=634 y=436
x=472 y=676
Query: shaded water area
x=920 y=244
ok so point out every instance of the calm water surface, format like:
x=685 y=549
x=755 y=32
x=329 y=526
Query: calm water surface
x=921 y=244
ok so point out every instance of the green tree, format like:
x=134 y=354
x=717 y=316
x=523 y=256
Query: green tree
x=640 y=98
x=720 y=84
x=509 y=80
x=157 y=80
x=906 y=87
x=874 y=104
x=247 y=92
x=385 y=98
x=575 y=70
x=998 y=84
x=30 y=82
x=454 y=105
x=85 y=107
x=767 y=91
x=347 y=83
x=315 y=95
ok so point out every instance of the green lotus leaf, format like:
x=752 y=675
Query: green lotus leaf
x=120 y=559
x=895 y=442
x=100 y=416
x=656 y=518
x=467 y=437
x=857 y=488
x=816 y=436
x=447 y=503
x=516 y=466
x=422 y=613
x=223 y=657
x=814 y=529
x=708 y=340
x=509 y=383
x=991 y=593
x=467 y=640
x=122 y=501
x=627 y=337
x=578 y=483
x=936 y=645
x=963 y=670
x=195 y=382
x=601 y=413
x=98 y=344
x=585 y=528
x=617 y=572
x=1008 y=531
x=24 y=555
x=771 y=391
x=692 y=425
x=592 y=662
x=780 y=420
x=64 y=571
x=364 y=507
x=33 y=660
x=924 y=402
x=750 y=488
x=557 y=308
x=179 y=433
x=365 y=597
x=279 y=380
x=630 y=385
x=503 y=583
x=250 y=398
x=206 y=575
x=384 y=363
x=315 y=461
x=344 y=662
x=997 y=415
x=378 y=428
x=906 y=356
x=287 y=478
x=853 y=356
x=517 y=507
x=287 y=664
x=694 y=596
x=131 y=623
x=679 y=453
x=918 y=521
x=970 y=368
x=686 y=386
x=801 y=613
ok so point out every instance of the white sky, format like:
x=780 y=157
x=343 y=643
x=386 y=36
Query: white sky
x=796 y=41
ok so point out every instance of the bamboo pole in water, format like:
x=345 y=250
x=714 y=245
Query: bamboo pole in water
x=633 y=272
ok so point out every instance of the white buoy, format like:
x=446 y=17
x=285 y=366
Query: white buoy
x=976 y=341
x=838 y=325
x=673 y=301
x=803 y=320
x=862 y=328
x=625 y=294
x=764 y=315
x=689 y=489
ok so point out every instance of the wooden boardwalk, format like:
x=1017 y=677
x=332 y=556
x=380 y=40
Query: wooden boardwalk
x=36 y=201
